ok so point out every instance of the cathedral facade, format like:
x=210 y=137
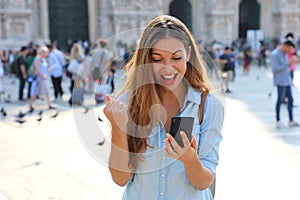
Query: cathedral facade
x=41 y=21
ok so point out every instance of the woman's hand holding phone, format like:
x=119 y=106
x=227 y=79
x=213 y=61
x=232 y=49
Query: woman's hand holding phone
x=180 y=143
x=186 y=153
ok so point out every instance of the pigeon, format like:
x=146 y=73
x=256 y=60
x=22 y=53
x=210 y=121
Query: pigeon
x=101 y=143
x=55 y=115
x=20 y=121
x=39 y=119
x=40 y=113
x=21 y=115
x=99 y=119
x=3 y=112
x=270 y=95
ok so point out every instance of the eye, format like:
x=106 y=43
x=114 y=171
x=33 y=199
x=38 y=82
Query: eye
x=177 y=58
x=156 y=59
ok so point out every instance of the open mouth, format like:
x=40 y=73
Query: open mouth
x=169 y=79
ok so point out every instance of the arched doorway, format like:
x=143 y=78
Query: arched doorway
x=249 y=16
x=68 y=19
x=182 y=9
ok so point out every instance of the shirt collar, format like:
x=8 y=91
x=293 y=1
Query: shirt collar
x=192 y=96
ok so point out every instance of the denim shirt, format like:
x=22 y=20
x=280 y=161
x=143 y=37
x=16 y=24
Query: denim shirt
x=160 y=177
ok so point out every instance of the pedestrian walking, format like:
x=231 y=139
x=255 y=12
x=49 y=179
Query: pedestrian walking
x=21 y=68
x=226 y=62
x=292 y=53
x=247 y=59
x=77 y=56
x=282 y=80
x=262 y=55
x=100 y=62
x=31 y=72
x=111 y=75
x=56 y=61
x=166 y=77
x=40 y=85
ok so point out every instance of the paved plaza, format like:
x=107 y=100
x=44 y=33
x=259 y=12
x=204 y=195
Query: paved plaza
x=49 y=160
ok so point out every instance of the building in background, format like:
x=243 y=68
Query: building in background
x=39 y=21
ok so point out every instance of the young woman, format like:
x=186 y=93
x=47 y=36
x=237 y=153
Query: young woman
x=165 y=78
x=78 y=55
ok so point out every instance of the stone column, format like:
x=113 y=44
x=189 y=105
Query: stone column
x=104 y=32
x=92 y=20
x=2 y=20
x=44 y=20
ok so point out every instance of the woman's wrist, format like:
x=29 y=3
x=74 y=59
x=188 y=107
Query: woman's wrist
x=191 y=160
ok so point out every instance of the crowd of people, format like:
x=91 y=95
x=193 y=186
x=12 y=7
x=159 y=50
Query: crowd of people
x=32 y=65
x=282 y=59
x=40 y=67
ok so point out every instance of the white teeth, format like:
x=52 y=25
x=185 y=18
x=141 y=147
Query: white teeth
x=169 y=77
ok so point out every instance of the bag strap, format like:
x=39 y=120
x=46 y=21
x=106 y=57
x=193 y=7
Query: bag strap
x=201 y=108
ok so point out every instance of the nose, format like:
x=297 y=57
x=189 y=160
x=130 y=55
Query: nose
x=168 y=63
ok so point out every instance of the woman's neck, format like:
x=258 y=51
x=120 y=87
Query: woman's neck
x=173 y=96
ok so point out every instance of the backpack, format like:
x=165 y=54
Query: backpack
x=14 y=67
x=32 y=70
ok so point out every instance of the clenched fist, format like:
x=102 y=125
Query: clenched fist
x=116 y=113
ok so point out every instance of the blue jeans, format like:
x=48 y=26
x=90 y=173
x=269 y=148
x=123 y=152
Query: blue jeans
x=292 y=75
x=282 y=92
x=21 y=86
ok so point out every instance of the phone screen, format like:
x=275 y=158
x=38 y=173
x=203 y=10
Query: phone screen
x=181 y=124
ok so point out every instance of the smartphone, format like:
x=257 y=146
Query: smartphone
x=181 y=124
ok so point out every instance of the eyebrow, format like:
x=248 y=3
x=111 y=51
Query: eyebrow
x=172 y=53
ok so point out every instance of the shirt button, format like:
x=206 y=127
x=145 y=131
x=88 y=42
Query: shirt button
x=163 y=175
x=163 y=158
x=161 y=193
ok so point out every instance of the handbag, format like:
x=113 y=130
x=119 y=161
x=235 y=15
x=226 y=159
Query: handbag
x=81 y=71
x=74 y=66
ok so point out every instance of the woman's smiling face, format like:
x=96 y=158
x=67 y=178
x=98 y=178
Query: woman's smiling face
x=169 y=58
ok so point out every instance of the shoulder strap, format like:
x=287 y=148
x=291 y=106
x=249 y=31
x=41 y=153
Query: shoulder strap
x=201 y=108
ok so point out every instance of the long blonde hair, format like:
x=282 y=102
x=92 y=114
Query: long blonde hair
x=76 y=51
x=140 y=83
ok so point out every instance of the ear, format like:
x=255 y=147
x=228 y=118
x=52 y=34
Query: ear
x=188 y=55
